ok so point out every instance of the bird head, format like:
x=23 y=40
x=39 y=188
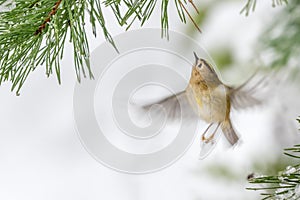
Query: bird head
x=202 y=66
x=202 y=70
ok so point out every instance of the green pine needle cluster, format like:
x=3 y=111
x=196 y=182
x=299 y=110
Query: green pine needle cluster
x=141 y=11
x=285 y=185
x=35 y=32
x=281 y=40
x=251 y=4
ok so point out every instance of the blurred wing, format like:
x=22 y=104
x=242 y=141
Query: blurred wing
x=251 y=93
x=243 y=99
x=176 y=107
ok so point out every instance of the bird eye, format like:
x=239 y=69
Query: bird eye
x=200 y=65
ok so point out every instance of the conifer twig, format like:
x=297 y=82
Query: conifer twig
x=286 y=185
x=47 y=20
x=251 y=5
x=191 y=18
x=195 y=7
x=34 y=32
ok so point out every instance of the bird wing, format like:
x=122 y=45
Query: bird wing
x=176 y=107
x=251 y=93
x=243 y=99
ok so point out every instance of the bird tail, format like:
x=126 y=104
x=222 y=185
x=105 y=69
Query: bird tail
x=229 y=132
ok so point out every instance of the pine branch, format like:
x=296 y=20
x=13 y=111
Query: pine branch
x=251 y=4
x=191 y=18
x=48 y=19
x=141 y=10
x=31 y=42
x=281 y=40
x=34 y=32
x=40 y=36
x=286 y=185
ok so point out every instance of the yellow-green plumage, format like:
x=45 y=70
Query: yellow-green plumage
x=209 y=98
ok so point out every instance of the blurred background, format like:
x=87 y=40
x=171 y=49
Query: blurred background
x=41 y=156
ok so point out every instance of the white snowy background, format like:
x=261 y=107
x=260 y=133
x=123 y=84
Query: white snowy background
x=41 y=156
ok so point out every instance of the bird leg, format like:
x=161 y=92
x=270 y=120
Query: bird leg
x=207 y=140
x=203 y=135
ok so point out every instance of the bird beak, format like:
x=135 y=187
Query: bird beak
x=196 y=57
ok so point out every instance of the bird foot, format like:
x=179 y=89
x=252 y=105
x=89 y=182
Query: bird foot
x=209 y=139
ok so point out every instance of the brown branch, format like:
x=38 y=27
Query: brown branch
x=191 y=18
x=48 y=19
